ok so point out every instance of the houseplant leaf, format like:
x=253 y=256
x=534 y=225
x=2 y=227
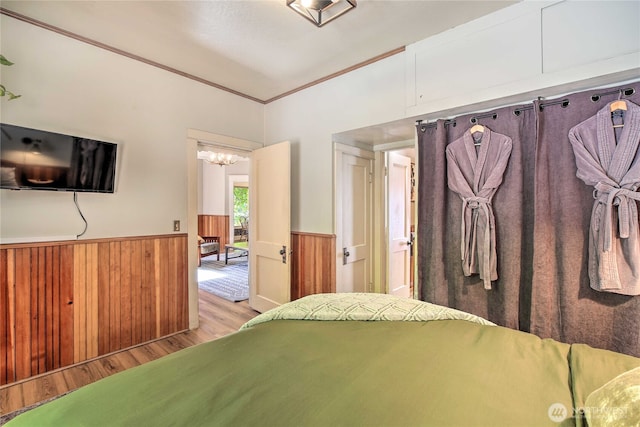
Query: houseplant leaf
x=5 y=61
x=3 y=90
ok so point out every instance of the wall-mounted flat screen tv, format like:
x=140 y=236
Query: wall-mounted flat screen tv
x=34 y=159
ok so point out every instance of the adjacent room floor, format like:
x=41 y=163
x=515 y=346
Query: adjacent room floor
x=228 y=279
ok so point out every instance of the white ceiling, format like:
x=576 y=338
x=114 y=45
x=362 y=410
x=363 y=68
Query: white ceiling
x=259 y=48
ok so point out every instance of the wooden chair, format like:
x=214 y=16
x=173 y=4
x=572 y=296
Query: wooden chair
x=244 y=227
x=208 y=245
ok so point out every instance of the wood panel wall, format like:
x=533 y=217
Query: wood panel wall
x=214 y=225
x=65 y=302
x=313 y=268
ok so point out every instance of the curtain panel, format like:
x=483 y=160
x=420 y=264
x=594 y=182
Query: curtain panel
x=542 y=214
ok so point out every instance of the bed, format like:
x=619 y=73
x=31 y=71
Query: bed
x=355 y=360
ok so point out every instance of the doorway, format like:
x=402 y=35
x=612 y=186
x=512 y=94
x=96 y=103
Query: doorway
x=269 y=234
x=238 y=208
x=399 y=202
x=194 y=182
x=223 y=212
x=354 y=218
x=375 y=201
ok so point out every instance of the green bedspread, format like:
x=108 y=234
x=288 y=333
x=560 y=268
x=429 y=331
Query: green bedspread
x=335 y=373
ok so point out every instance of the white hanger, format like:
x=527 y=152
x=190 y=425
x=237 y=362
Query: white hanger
x=474 y=129
x=618 y=105
x=478 y=128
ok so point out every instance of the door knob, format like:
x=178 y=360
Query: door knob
x=345 y=255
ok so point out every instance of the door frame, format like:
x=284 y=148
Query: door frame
x=232 y=181
x=393 y=246
x=193 y=137
x=380 y=232
x=338 y=150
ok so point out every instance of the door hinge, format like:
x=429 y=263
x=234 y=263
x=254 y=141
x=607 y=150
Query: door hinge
x=370 y=177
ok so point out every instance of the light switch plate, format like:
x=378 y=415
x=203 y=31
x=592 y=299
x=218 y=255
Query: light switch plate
x=176 y=225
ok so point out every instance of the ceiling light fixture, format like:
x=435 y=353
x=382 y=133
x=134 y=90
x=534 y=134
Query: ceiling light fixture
x=221 y=159
x=35 y=145
x=36 y=148
x=320 y=12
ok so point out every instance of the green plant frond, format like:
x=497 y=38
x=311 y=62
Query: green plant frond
x=3 y=89
x=5 y=61
x=11 y=95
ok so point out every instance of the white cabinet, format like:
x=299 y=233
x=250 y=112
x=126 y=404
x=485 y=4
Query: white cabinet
x=521 y=49
x=576 y=33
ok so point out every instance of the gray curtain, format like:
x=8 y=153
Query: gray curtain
x=439 y=218
x=542 y=215
x=564 y=306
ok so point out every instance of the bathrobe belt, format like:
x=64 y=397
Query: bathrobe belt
x=612 y=196
x=485 y=205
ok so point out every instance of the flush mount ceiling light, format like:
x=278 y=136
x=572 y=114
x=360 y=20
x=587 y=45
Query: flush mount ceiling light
x=320 y=12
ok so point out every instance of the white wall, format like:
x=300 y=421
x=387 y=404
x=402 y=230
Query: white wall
x=213 y=186
x=74 y=88
x=71 y=87
x=505 y=57
x=364 y=97
x=214 y=189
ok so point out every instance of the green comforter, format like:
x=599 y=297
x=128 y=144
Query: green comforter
x=340 y=373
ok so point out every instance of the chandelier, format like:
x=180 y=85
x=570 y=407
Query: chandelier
x=222 y=159
x=320 y=12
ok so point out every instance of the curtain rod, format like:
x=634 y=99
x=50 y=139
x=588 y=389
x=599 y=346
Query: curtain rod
x=626 y=92
x=564 y=103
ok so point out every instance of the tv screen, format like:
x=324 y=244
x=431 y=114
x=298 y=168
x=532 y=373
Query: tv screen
x=34 y=159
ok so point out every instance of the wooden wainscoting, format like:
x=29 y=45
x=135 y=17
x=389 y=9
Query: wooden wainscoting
x=66 y=302
x=313 y=268
x=214 y=225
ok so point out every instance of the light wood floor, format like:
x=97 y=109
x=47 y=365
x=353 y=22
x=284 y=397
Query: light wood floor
x=218 y=317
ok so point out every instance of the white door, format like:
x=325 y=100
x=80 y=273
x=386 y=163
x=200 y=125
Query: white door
x=399 y=224
x=269 y=227
x=353 y=228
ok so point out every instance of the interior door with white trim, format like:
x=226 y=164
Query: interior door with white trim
x=399 y=224
x=270 y=227
x=354 y=227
